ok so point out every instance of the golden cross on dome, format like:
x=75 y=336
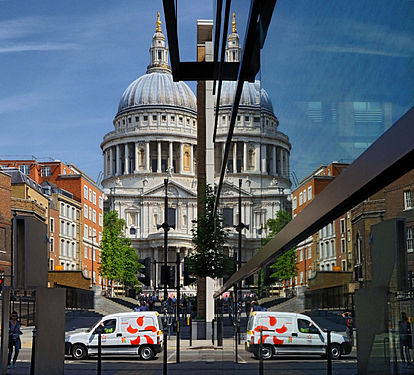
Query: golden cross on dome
x=158 y=29
x=233 y=24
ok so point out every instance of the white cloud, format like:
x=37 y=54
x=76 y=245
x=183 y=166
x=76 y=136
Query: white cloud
x=25 y=47
x=356 y=49
x=17 y=102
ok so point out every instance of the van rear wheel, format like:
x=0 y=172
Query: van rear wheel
x=79 y=351
x=146 y=352
x=267 y=351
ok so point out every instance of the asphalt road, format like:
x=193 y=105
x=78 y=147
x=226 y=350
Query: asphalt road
x=202 y=361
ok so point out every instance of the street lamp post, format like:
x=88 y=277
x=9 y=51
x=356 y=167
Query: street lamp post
x=239 y=227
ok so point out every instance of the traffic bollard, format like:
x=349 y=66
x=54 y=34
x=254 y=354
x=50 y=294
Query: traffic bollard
x=212 y=331
x=260 y=352
x=99 y=370
x=328 y=353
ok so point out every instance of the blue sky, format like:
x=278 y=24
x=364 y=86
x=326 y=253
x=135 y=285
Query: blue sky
x=65 y=64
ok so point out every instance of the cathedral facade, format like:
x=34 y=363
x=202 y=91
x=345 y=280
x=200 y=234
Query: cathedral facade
x=155 y=137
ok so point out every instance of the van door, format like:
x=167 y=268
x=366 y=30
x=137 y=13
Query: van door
x=277 y=331
x=129 y=334
x=310 y=338
x=108 y=338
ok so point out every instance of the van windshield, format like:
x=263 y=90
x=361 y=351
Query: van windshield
x=93 y=325
x=250 y=323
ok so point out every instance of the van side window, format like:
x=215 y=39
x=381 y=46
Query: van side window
x=306 y=326
x=109 y=326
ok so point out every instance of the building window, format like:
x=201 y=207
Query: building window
x=90 y=213
x=129 y=120
x=100 y=220
x=309 y=274
x=300 y=255
x=136 y=118
x=86 y=252
x=52 y=225
x=85 y=231
x=343 y=265
x=90 y=195
x=309 y=193
x=154 y=117
x=51 y=245
x=295 y=201
x=85 y=211
x=301 y=277
x=100 y=202
x=94 y=197
x=51 y=264
x=94 y=216
x=246 y=118
x=410 y=242
x=45 y=171
x=322 y=254
x=85 y=191
x=62 y=247
x=172 y=118
x=228 y=217
x=309 y=252
x=300 y=199
x=343 y=246
x=62 y=227
x=332 y=248
x=342 y=226
x=24 y=169
x=145 y=118
x=407 y=199
x=304 y=195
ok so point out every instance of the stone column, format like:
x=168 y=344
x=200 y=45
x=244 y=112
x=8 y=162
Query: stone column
x=147 y=156
x=118 y=161
x=159 y=156
x=287 y=164
x=126 y=170
x=257 y=157
x=244 y=157
x=170 y=146
x=136 y=157
x=274 y=160
x=192 y=159
x=263 y=156
x=111 y=162
x=181 y=158
x=234 y=157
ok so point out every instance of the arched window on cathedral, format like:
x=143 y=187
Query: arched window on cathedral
x=250 y=160
x=141 y=159
x=186 y=159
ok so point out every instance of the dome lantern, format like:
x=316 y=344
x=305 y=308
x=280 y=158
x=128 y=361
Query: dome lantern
x=233 y=44
x=158 y=51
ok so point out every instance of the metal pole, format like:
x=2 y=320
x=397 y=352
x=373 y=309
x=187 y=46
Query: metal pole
x=166 y=228
x=191 y=330
x=212 y=331
x=32 y=360
x=328 y=353
x=178 y=306
x=260 y=352
x=99 y=370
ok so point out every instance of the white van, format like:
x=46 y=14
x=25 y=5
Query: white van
x=291 y=333
x=124 y=333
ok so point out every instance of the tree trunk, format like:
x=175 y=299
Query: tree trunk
x=201 y=297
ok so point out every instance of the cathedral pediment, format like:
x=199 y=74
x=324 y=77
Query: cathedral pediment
x=229 y=190
x=174 y=190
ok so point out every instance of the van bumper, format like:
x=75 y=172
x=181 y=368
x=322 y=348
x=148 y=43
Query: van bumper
x=251 y=348
x=68 y=347
x=346 y=347
x=157 y=348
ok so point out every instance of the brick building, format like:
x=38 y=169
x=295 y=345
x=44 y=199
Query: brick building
x=319 y=252
x=5 y=227
x=87 y=197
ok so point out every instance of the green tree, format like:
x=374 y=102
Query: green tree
x=285 y=265
x=119 y=261
x=209 y=238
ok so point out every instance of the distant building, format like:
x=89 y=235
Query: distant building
x=5 y=227
x=80 y=193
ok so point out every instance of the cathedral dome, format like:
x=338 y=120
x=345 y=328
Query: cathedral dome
x=157 y=88
x=252 y=95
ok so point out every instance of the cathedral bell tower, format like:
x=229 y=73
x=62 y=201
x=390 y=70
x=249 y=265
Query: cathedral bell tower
x=233 y=48
x=158 y=51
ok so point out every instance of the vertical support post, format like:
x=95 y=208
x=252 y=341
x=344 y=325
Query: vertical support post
x=212 y=331
x=32 y=360
x=166 y=228
x=328 y=353
x=219 y=322
x=191 y=330
x=178 y=305
x=261 y=352
x=99 y=369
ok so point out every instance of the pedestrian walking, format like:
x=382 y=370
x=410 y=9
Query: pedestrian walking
x=14 y=339
x=404 y=328
x=349 y=325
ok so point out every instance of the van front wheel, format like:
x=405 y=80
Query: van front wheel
x=267 y=351
x=146 y=352
x=79 y=351
x=335 y=351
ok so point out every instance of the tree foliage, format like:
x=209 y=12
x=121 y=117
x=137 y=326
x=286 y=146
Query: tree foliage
x=285 y=265
x=119 y=261
x=209 y=238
